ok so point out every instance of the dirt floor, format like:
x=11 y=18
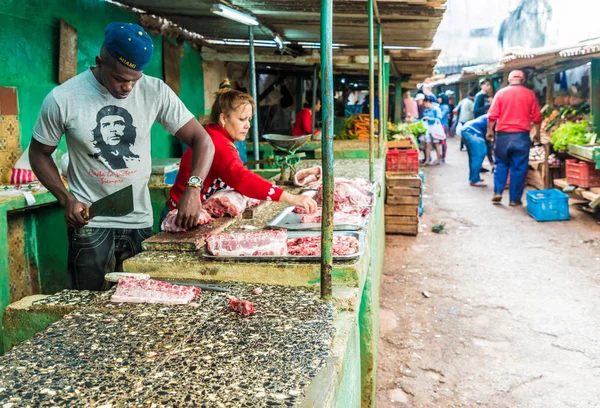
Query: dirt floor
x=499 y=311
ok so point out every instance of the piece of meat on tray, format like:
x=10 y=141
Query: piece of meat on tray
x=339 y=218
x=347 y=192
x=134 y=290
x=168 y=224
x=311 y=246
x=258 y=243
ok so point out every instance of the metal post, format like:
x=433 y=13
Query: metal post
x=595 y=91
x=550 y=92
x=371 y=92
x=380 y=86
x=299 y=93
x=398 y=101
x=327 y=147
x=254 y=92
x=314 y=98
x=386 y=103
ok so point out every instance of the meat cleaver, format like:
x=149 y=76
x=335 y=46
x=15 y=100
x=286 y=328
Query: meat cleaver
x=116 y=204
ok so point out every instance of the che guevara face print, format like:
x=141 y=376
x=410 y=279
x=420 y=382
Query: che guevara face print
x=113 y=137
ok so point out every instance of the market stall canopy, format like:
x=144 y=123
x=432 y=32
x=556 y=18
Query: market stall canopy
x=546 y=60
x=417 y=65
x=405 y=23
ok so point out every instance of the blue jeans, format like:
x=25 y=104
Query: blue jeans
x=476 y=148
x=512 y=153
x=94 y=252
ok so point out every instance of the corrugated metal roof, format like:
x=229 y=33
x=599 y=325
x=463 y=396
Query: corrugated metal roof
x=411 y=23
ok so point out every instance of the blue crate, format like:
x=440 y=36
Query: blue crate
x=548 y=205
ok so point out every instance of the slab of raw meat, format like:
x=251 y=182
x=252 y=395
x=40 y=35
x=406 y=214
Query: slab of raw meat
x=259 y=243
x=228 y=202
x=347 y=193
x=168 y=224
x=133 y=290
x=338 y=218
x=311 y=246
x=243 y=307
x=309 y=178
x=348 y=209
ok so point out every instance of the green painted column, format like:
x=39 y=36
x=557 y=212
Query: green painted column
x=595 y=107
x=4 y=272
x=398 y=101
x=380 y=85
x=327 y=92
x=386 y=104
x=371 y=92
x=314 y=98
x=254 y=92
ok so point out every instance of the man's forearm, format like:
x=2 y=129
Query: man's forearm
x=203 y=151
x=491 y=124
x=45 y=170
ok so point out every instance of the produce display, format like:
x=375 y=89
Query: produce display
x=537 y=154
x=356 y=127
x=556 y=118
x=403 y=131
x=579 y=133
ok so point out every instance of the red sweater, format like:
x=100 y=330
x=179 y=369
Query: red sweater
x=514 y=108
x=227 y=171
x=303 y=124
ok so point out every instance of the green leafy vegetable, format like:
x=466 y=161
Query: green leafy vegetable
x=571 y=133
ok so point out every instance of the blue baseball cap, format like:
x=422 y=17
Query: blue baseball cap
x=129 y=44
x=430 y=98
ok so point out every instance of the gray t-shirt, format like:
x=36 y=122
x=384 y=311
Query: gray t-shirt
x=109 y=139
x=466 y=110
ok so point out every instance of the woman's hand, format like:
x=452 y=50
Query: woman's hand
x=309 y=205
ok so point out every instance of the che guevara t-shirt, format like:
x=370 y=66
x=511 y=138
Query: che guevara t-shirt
x=109 y=139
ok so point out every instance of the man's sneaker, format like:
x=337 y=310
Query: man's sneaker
x=497 y=199
x=516 y=203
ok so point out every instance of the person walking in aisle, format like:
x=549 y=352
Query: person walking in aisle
x=481 y=106
x=473 y=133
x=464 y=113
x=513 y=110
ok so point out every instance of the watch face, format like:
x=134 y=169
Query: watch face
x=194 y=179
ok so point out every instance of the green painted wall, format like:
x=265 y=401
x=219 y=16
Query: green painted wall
x=29 y=38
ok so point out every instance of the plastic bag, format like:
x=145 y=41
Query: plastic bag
x=437 y=130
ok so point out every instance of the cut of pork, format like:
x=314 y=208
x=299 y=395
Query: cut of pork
x=229 y=202
x=338 y=218
x=168 y=224
x=259 y=243
x=243 y=307
x=133 y=290
x=311 y=246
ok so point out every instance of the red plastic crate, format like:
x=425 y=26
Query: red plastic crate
x=404 y=161
x=582 y=174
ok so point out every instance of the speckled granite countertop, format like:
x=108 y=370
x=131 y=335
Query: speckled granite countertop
x=202 y=354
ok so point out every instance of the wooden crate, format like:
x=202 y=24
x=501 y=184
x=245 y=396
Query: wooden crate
x=394 y=179
x=401 y=144
x=402 y=210
x=403 y=191
x=403 y=200
x=393 y=228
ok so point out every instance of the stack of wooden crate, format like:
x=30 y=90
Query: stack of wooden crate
x=403 y=198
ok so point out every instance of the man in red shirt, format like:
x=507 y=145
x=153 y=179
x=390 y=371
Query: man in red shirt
x=513 y=110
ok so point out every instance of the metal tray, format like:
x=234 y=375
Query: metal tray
x=289 y=220
x=299 y=234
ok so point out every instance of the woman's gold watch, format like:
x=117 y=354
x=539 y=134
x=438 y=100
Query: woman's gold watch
x=195 y=181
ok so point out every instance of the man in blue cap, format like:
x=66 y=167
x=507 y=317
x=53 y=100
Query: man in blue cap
x=106 y=113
